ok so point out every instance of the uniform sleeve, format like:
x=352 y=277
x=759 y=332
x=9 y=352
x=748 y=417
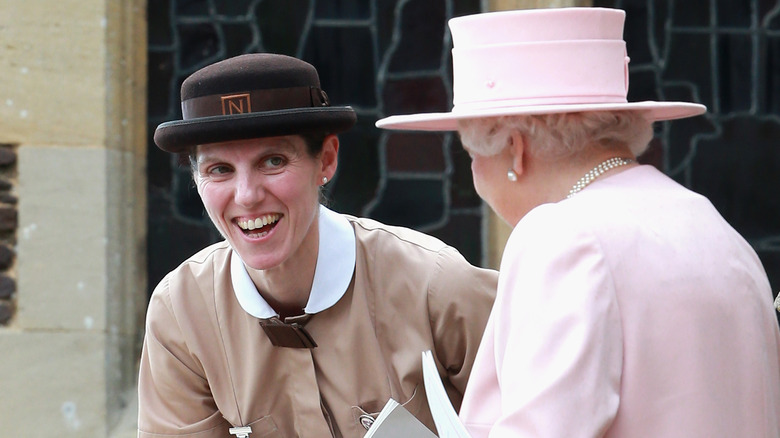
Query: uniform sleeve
x=558 y=338
x=460 y=297
x=173 y=395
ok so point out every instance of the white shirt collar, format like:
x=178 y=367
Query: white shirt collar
x=332 y=275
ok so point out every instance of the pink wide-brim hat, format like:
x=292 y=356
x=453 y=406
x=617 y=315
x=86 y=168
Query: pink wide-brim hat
x=539 y=61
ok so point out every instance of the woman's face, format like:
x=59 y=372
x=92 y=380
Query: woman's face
x=263 y=195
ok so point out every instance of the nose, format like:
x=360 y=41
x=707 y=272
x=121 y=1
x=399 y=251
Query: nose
x=249 y=190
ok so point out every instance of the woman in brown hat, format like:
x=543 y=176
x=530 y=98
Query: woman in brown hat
x=627 y=306
x=303 y=321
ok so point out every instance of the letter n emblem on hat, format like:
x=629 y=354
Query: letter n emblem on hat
x=236 y=104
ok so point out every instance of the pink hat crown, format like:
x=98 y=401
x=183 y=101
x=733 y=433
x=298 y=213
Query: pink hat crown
x=571 y=56
x=539 y=61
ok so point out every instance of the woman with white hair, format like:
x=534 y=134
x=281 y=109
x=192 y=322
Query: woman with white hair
x=627 y=306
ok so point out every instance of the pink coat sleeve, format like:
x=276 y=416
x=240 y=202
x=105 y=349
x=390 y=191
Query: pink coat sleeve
x=558 y=341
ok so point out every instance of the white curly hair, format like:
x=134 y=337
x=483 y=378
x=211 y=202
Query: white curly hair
x=553 y=136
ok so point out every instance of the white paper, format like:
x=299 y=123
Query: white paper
x=448 y=424
x=396 y=422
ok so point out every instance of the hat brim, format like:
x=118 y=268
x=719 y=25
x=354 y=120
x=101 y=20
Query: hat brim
x=180 y=135
x=654 y=111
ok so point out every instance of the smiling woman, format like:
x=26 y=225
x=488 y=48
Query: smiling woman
x=262 y=195
x=271 y=179
x=302 y=321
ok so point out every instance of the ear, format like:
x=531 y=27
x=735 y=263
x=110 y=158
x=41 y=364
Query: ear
x=518 y=150
x=329 y=156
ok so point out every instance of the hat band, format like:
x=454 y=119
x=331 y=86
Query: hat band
x=253 y=102
x=538 y=101
x=558 y=72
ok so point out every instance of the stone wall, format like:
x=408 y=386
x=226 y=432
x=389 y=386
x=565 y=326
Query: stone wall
x=72 y=149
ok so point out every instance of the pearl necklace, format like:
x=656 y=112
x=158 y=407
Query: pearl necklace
x=596 y=171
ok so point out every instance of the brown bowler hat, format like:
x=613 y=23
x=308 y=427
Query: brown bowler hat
x=251 y=96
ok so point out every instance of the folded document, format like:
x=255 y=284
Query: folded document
x=395 y=421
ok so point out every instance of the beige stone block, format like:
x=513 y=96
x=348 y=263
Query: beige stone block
x=62 y=238
x=125 y=294
x=127 y=427
x=52 y=61
x=52 y=384
x=126 y=75
x=498 y=233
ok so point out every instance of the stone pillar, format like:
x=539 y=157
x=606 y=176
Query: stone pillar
x=497 y=230
x=73 y=109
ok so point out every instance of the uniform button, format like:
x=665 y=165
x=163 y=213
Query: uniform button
x=366 y=420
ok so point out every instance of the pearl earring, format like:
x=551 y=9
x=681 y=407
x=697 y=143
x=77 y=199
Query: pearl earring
x=324 y=180
x=511 y=175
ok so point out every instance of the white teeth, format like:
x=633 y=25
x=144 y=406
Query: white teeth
x=253 y=224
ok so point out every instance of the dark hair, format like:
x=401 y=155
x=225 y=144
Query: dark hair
x=313 y=140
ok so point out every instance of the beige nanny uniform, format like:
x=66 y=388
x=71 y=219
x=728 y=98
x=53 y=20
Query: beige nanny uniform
x=380 y=296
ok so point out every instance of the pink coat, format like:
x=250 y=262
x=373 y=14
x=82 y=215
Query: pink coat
x=630 y=310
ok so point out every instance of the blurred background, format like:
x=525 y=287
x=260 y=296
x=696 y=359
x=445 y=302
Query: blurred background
x=93 y=215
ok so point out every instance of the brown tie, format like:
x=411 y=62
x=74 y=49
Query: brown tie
x=289 y=333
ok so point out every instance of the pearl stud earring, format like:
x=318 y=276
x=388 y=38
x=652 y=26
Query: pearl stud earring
x=511 y=175
x=324 y=180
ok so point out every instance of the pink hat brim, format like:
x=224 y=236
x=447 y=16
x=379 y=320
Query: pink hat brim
x=654 y=111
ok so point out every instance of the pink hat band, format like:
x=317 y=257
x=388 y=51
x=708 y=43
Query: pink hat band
x=538 y=61
x=492 y=77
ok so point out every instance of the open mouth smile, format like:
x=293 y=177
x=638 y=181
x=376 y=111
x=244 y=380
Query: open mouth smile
x=260 y=226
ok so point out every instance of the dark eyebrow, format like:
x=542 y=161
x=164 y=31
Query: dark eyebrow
x=201 y=159
x=282 y=144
